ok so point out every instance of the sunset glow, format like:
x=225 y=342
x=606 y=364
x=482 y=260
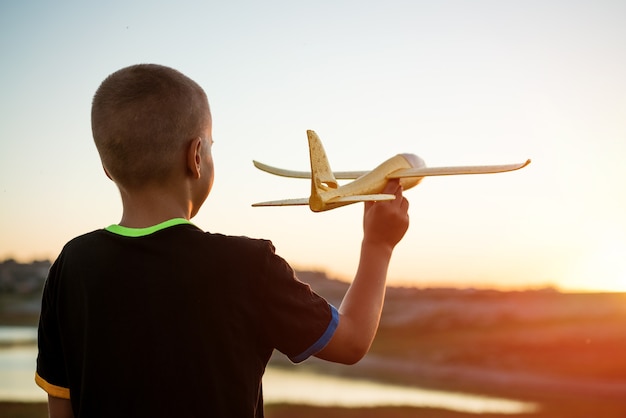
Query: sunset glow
x=603 y=269
x=454 y=82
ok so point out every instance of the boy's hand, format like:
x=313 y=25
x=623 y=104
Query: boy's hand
x=387 y=221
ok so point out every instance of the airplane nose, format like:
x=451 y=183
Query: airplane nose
x=414 y=160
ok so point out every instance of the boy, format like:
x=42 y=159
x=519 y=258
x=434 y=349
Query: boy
x=154 y=317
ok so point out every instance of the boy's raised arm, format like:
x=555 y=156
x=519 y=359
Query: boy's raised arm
x=384 y=225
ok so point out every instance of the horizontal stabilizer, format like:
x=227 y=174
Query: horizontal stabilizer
x=339 y=175
x=450 y=171
x=362 y=198
x=284 y=202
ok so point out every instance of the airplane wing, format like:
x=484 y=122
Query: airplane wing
x=408 y=172
x=449 y=171
x=339 y=175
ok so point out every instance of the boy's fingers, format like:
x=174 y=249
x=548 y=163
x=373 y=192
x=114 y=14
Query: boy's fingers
x=392 y=186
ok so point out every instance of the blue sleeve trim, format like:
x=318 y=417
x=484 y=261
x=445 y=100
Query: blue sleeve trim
x=323 y=340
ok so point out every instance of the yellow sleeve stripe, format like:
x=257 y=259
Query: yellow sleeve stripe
x=52 y=390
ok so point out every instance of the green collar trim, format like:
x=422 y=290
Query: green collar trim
x=142 y=232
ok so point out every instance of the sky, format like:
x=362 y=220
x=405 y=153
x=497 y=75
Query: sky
x=455 y=82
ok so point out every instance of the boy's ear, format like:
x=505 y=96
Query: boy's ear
x=107 y=172
x=194 y=157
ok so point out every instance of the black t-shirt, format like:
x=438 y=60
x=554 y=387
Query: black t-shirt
x=172 y=321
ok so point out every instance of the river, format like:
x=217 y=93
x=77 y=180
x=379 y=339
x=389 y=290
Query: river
x=280 y=385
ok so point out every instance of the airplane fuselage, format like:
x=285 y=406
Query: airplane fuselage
x=370 y=183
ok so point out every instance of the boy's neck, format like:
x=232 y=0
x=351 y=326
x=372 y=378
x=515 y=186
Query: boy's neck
x=151 y=207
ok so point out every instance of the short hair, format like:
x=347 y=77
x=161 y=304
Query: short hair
x=142 y=117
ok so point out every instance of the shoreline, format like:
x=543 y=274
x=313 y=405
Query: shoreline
x=555 y=403
x=570 y=408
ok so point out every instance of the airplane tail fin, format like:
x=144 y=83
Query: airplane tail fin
x=322 y=177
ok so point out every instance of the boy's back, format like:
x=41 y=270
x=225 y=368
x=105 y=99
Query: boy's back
x=175 y=318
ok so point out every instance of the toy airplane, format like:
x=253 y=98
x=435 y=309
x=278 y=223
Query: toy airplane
x=326 y=193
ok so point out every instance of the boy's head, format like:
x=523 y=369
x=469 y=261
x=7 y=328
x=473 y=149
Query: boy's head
x=143 y=119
